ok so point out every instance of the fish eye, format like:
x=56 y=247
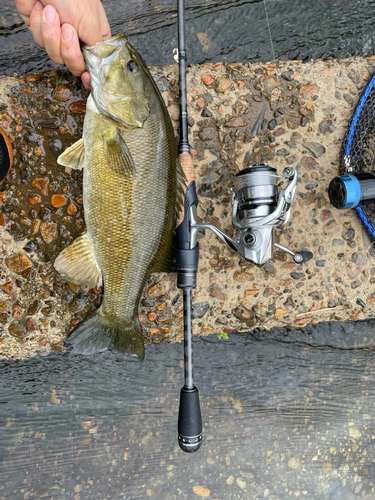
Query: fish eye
x=132 y=66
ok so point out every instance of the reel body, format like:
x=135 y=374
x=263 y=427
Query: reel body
x=257 y=209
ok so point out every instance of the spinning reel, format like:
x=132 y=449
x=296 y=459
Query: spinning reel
x=257 y=209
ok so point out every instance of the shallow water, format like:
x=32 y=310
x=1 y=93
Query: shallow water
x=288 y=413
x=217 y=30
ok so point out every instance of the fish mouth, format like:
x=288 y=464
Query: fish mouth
x=116 y=41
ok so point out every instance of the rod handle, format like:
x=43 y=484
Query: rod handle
x=188 y=168
x=189 y=420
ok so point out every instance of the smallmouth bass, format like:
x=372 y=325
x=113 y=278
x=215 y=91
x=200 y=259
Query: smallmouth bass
x=133 y=187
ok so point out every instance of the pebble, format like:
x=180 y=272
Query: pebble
x=354 y=433
x=327 y=467
x=360 y=302
x=294 y=462
x=337 y=243
x=206 y=113
x=236 y=121
x=297 y=276
x=216 y=291
x=272 y=124
x=245 y=315
x=353 y=270
x=58 y=200
x=41 y=184
x=19 y=262
x=63 y=93
x=72 y=209
x=207 y=79
x=309 y=163
x=16 y=330
x=201 y=491
x=326 y=127
x=316 y=148
x=78 y=107
x=243 y=276
x=49 y=231
x=241 y=483
x=224 y=84
x=287 y=75
x=308 y=91
x=341 y=83
x=348 y=98
x=348 y=234
x=200 y=309
x=30 y=247
x=321 y=263
x=207 y=134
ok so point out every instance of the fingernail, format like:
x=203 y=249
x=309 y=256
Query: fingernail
x=50 y=13
x=67 y=32
x=38 y=6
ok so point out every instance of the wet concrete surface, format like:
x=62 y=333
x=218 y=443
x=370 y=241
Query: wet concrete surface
x=287 y=413
x=290 y=114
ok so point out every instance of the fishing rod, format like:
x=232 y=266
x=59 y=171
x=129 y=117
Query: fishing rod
x=189 y=417
x=258 y=208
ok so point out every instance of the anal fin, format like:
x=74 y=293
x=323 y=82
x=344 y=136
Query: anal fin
x=78 y=264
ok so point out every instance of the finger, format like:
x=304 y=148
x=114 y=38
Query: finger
x=70 y=50
x=104 y=24
x=89 y=29
x=86 y=80
x=26 y=20
x=51 y=33
x=24 y=8
x=36 y=23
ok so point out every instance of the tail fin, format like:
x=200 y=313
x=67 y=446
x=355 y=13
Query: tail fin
x=97 y=334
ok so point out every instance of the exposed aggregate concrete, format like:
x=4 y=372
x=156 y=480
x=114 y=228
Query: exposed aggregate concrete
x=290 y=114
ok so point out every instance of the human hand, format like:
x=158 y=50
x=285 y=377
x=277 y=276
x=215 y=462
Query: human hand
x=59 y=25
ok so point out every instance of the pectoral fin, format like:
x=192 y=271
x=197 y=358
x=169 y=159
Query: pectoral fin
x=74 y=156
x=118 y=154
x=78 y=264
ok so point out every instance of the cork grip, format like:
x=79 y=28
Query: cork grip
x=188 y=168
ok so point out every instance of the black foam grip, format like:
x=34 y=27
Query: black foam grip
x=189 y=420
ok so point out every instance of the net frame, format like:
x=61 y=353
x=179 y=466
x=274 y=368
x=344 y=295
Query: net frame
x=358 y=152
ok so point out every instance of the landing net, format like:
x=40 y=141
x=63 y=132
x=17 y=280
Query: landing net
x=358 y=153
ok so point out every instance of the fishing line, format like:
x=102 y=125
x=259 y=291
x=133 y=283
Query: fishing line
x=269 y=31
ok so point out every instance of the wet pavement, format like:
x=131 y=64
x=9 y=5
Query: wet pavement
x=289 y=114
x=217 y=30
x=287 y=413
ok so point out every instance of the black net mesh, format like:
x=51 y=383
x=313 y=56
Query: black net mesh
x=358 y=152
x=4 y=158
